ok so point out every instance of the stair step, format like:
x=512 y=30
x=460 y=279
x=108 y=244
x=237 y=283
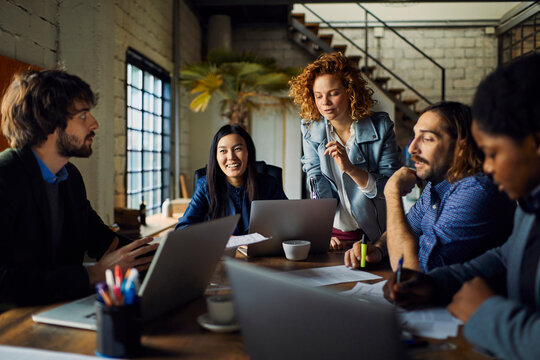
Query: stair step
x=396 y=91
x=409 y=102
x=368 y=70
x=354 y=59
x=340 y=48
x=301 y=18
x=382 y=80
x=327 y=38
x=313 y=27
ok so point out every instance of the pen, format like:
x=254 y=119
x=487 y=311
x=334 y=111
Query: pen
x=326 y=129
x=399 y=268
x=118 y=275
x=103 y=294
x=363 y=252
x=109 y=278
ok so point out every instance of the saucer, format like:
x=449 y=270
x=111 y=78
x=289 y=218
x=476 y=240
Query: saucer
x=207 y=323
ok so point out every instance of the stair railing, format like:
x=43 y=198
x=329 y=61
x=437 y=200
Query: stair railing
x=443 y=71
x=379 y=63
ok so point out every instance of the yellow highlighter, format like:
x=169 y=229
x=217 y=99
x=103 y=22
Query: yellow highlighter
x=363 y=251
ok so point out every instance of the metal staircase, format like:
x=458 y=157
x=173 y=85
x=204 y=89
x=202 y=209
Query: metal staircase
x=310 y=38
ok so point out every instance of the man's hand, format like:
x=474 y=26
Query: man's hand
x=414 y=290
x=126 y=257
x=401 y=182
x=352 y=256
x=469 y=298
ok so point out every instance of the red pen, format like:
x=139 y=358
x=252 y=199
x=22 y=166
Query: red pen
x=118 y=295
x=118 y=275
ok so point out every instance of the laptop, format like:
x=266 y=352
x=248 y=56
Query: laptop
x=307 y=219
x=180 y=272
x=284 y=319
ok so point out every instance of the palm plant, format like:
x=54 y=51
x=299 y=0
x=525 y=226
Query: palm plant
x=244 y=80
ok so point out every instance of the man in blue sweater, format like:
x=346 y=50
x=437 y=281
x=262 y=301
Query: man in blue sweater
x=497 y=295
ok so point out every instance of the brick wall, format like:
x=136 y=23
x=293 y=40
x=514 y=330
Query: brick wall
x=190 y=52
x=28 y=31
x=147 y=27
x=270 y=40
x=467 y=54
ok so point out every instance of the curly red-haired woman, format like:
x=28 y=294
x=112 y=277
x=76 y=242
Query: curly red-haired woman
x=349 y=151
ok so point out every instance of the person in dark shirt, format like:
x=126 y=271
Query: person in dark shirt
x=497 y=294
x=47 y=222
x=231 y=182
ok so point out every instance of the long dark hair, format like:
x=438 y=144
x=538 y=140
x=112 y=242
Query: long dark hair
x=458 y=120
x=216 y=180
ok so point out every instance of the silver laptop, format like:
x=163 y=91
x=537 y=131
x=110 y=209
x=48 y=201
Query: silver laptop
x=284 y=319
x=180 y=271
x=308 y=219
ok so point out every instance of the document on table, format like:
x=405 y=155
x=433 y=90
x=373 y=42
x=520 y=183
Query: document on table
x=22 y=353
x=331 y=275
x=235 y=241
x=368 y=292
x=436 y=323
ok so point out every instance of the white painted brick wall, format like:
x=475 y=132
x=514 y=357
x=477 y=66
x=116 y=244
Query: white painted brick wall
x=28 y=31
x=467 y=54
x=147 y=27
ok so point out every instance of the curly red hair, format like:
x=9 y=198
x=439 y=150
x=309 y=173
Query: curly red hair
x=359 y=95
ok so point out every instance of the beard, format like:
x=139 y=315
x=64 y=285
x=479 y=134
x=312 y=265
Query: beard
x=434 y=173
x=68 y=145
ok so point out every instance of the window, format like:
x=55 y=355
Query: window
x=148 y=133
x=520 y=40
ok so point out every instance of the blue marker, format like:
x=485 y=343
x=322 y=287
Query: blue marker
x=399 y=268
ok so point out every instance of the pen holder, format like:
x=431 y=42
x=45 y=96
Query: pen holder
x=118 y=330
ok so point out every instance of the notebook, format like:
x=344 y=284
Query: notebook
x=284 y=319
x=179 y=272
x=307 y=219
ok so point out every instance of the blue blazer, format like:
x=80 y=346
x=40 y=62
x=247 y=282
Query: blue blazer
x=375 y=151
x=503 y=325
x=197 y=210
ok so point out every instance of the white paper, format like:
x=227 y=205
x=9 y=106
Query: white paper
x=435 y=323
x=331 y=275
x=235 y=241
x=368 y=292
x=22 y=353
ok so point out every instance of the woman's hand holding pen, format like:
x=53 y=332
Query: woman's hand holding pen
x=353 y=256
x=128 y=256
x=339 y=154
x=413 y=290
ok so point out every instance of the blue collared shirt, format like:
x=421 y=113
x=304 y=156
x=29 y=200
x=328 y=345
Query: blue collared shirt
x=48 y=175
x=456 y=222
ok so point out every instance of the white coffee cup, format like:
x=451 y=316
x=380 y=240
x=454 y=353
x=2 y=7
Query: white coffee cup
x=296 y=250
x=220 y=309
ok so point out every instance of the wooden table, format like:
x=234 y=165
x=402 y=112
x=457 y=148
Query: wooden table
x=178 y=335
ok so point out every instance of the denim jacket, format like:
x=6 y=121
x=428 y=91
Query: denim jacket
x=375 y=151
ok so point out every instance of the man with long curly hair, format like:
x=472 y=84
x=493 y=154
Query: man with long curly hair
x=460 y=213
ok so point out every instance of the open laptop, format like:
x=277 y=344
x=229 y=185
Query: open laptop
x=308 y=219
x=284 y=319
x=179 y=272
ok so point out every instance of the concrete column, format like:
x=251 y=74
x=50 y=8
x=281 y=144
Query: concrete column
x=86 y=49
x=219 y=32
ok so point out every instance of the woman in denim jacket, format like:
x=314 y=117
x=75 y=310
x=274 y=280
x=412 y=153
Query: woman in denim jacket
x=349 y=151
